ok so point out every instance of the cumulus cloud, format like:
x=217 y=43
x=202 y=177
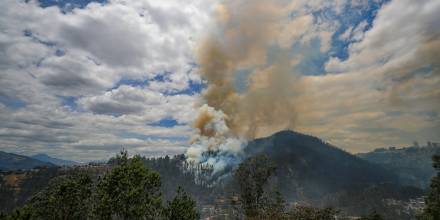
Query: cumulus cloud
x=83 y=83
x=84 y=54
x=387 y=89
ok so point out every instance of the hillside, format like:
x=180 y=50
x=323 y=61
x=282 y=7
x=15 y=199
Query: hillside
x=309 y=167
x=412 y=164
x=9 y=161
x=56 y=161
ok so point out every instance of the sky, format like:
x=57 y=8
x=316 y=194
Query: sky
x=82 y=79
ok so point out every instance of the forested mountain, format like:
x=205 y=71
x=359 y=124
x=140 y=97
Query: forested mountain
x=9 y=161
x=412 y=164
x=309 y=167
x=56 y=161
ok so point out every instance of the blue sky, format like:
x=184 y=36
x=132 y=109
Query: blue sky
x=83 y=79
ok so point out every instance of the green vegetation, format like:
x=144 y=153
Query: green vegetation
x=260 y=202
x=432 y=209
x=372 y=216
x=182 y=207
x=128 y=191
x=66 y=197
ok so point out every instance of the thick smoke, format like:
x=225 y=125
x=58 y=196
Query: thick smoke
x=247 y=31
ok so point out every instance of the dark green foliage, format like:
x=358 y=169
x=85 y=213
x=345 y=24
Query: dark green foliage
x=432 y=209
x=129 y=191
x=182 y=207
x=177 y=171
x=23 y=213
x=310 y=213
x=66 y=197
x=252 y=176
x=372 y=216
x=35 y=182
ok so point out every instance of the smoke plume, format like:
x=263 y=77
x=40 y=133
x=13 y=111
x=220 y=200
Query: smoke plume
x=246 y=32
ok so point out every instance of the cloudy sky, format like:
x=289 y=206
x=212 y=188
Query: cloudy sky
x=83 y=79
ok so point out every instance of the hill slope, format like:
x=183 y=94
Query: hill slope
x=56 y=161
x=9 y=161
x=309 y=167
x=412 y=164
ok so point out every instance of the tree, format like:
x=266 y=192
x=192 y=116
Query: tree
x=182 y=207
x=66 y=197
x=252 y=176
x=129 y=191
x=432 y=208
x=7 y=193
x=310 y=213
x=23 y=213
x=372 y=216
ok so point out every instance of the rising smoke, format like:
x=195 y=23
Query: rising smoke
x=246 y=32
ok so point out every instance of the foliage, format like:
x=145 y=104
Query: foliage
x=129 y=191
x=182 y=207
x=252 y=176
x=432 y=209
x=372 y=216
x=6 y=191
x=23 y=213
x=177 y=171
x=310 y=213
x=66 y=197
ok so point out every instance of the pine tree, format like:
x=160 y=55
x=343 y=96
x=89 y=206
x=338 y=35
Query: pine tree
x=182 y=207
x=129 y=191
x=66 y=198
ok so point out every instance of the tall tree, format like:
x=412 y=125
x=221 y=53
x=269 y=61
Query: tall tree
x=66 y=197
x=182 y=207
x=252 y=176
x=432 y=208
x=129 y=191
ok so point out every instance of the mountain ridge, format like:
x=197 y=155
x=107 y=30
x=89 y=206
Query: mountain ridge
x=11 y=161
x=53 y=160
x=412 y=164
x=315 y=166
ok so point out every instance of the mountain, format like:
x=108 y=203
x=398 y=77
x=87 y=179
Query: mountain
x=9 y=161
x=56 y=161
x=310 y=167
x=412 y=164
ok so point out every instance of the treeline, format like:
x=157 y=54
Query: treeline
x=129 y=190
x=177 y=171
x=137 y=188
x=259 y=200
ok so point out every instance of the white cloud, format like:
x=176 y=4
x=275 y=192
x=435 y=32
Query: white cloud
x=46 y=55
x=376 y=99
